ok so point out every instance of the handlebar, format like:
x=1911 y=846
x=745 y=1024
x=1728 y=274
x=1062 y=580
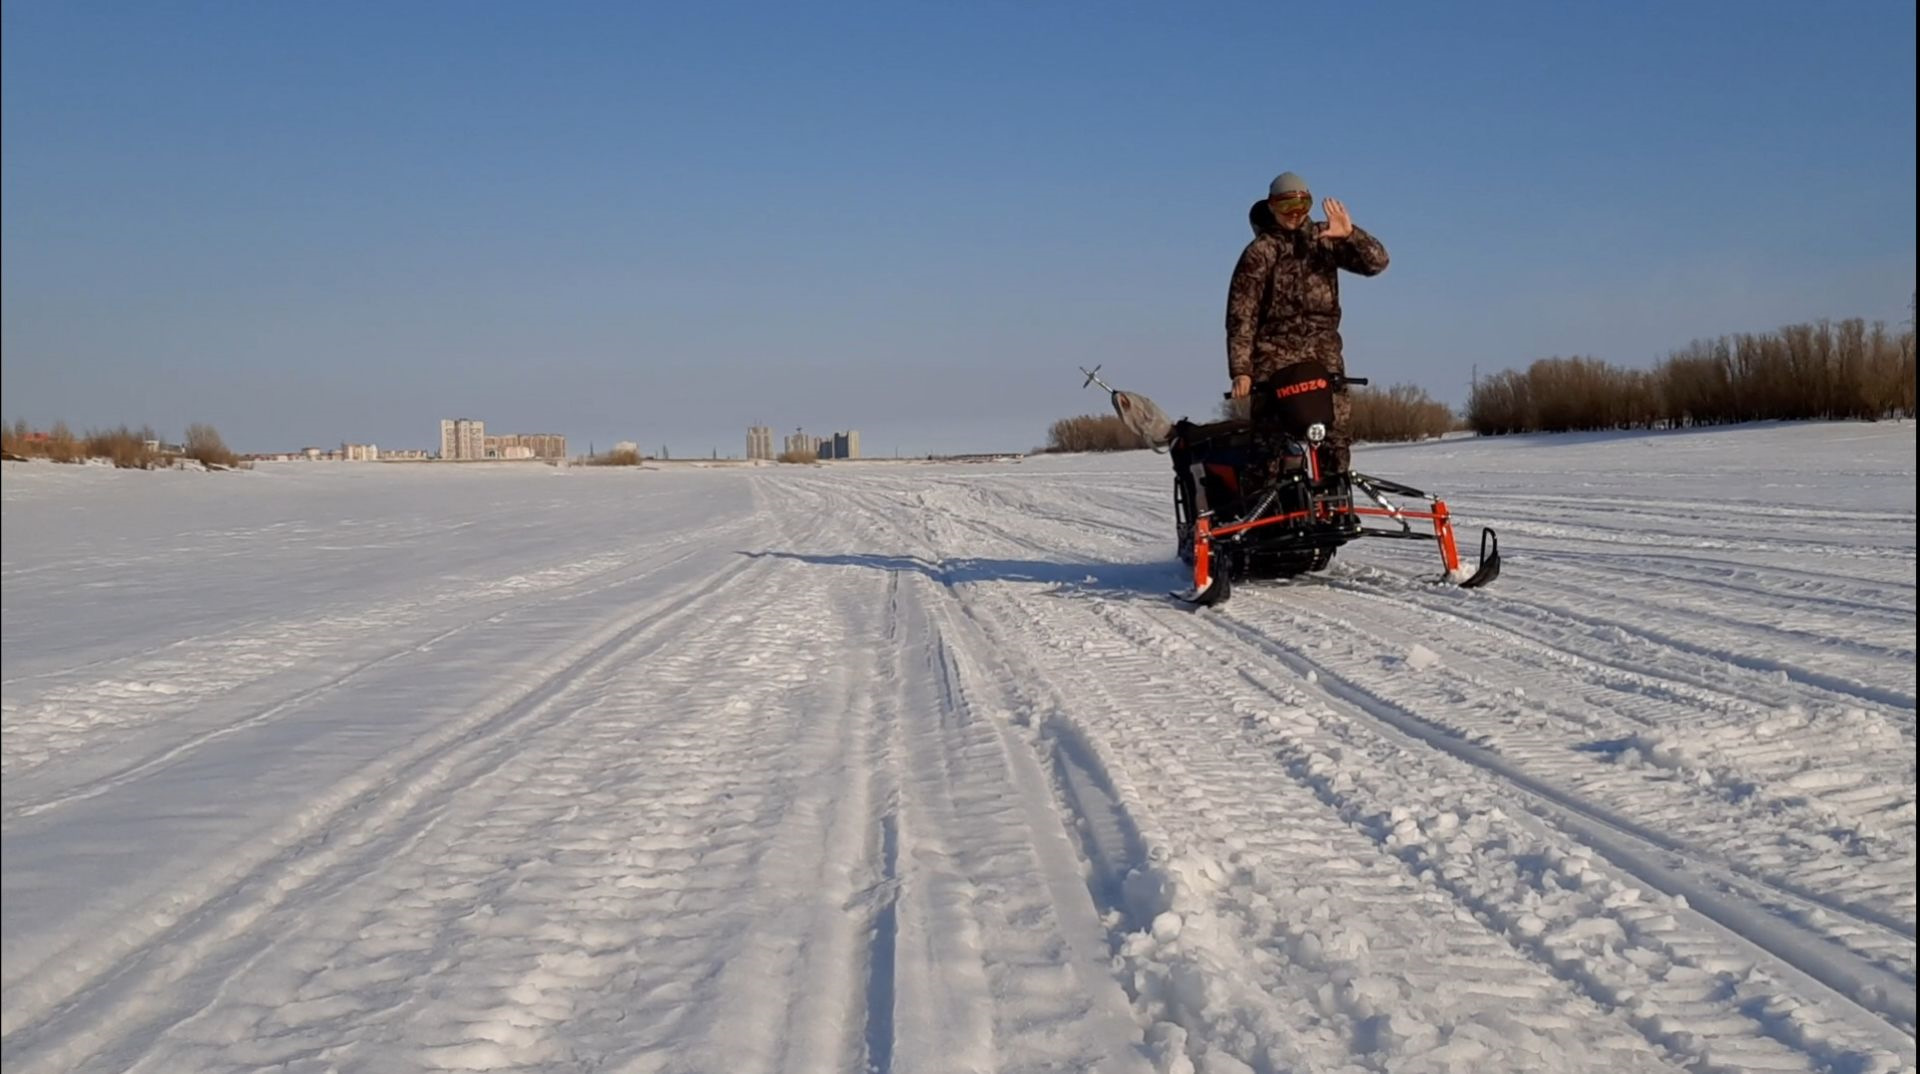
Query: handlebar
x=1337 y=382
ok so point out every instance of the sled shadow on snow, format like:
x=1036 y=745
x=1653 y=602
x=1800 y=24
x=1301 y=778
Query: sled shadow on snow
x=1114 y=581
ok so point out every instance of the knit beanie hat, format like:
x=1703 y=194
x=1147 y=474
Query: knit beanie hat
x=1286 y=183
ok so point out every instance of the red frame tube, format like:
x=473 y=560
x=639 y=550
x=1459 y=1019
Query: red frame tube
x=1442 y=520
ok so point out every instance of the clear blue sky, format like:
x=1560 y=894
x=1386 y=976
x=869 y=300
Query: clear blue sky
x=309 y=223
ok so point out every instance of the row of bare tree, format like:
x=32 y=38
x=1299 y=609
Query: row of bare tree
x=1827 y=370
x=127 y=448
x=1402 y=412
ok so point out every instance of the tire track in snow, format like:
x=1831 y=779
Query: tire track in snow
x=797 y=991
x=992 y=893
x=173 y=753
x=1871 y=638
x=1246 y=965
x=1000 y=961
x=671 y=878
x=1303 y=946
x=1561 y=627
x=146 y=699
x=1762 y=646
x=1721 y=526
x=1742 y=1035
x=1630 y=845
x=1480 y=692
x=1761 y=752
x=1708 y=1004
x=1813 y=546
x=1713 y=642
x=1841 y=601
x=53 y=1010
x=1609 y=549
x=1045 y=505
x=1820 y=519
x=1037 y=538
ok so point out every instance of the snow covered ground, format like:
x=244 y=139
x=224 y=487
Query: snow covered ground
x=909 y=767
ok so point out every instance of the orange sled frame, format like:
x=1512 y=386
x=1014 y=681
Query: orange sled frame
x=1313 y=532
x=1303 y=507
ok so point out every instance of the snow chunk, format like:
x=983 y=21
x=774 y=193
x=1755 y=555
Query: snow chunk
x=1168 y=1043
x=1420 y=658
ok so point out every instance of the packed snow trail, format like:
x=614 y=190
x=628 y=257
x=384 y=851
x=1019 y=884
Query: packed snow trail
x=909 y=767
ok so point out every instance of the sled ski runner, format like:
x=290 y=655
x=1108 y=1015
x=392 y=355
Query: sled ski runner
x=1265 y=497
x=1374 y=488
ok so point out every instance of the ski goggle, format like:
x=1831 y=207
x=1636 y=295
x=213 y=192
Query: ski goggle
x=1293 y=202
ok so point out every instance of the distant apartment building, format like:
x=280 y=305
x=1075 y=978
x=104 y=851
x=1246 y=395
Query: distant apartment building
x=545 y=445
x=466 y=438
x=360 y=452
x=525 y=446
x=844 y=445
x=759 y=442
x=463 y=438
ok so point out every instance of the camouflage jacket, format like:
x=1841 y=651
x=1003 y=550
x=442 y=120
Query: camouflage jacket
x=1284 y=303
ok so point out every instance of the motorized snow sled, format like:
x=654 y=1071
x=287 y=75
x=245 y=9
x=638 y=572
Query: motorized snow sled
x=1266 y=497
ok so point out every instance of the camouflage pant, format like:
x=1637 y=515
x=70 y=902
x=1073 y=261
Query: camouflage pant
x=1340 y=437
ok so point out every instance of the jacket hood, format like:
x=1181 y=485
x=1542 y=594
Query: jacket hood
x=1261 y=218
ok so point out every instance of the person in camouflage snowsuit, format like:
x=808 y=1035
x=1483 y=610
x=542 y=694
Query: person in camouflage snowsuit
x=1283 y=305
